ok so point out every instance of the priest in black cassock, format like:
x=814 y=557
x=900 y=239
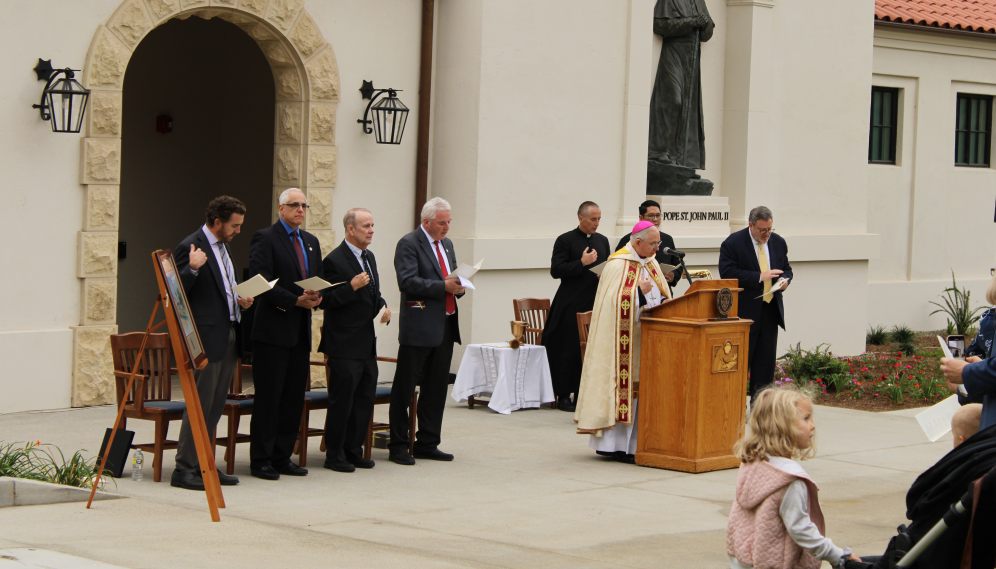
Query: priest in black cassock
x=651 y=211
x=574 y=253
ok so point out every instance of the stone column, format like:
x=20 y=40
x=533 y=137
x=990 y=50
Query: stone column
x=746 y=100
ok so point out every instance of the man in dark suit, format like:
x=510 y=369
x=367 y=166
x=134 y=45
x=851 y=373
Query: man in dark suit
x=281 y=336
x=423 y=262
x=651 y=211
x=208 y=275
x=574 y=253
x=350 y=341
x=758 y=259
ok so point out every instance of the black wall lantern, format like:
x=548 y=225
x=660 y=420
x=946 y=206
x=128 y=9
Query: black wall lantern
x=389 y=114
x=64 y=99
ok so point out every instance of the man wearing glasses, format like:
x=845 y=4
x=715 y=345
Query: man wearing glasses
x=758 y=259
x=606 y=407
x=281 y=336
x=651 y=211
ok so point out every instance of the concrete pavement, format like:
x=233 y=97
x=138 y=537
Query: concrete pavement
x=524 y=491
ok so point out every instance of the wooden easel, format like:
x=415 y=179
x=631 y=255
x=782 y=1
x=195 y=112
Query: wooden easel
x=185 y=369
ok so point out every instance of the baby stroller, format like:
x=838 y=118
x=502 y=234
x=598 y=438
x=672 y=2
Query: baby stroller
x=953 y=511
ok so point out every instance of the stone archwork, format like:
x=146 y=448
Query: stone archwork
x=306 y=80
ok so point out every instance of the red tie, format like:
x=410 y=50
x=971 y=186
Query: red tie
x=300 y=254
x=450 y=300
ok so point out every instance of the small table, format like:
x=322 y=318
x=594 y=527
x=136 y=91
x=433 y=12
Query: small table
x=515 y=379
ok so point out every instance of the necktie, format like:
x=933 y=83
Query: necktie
x=230 y=274
x=366 y=269
x=300 y=253
x=762 y=259
x=450 y=299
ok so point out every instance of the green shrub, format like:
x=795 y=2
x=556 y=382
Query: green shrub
x=958 y=306
x=902 y=334
x=907 y=348
x=816 y=364
x=950 y=329
x=36 y=463
x=876 y=336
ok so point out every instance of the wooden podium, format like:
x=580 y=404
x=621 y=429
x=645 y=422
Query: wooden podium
x=693 y=381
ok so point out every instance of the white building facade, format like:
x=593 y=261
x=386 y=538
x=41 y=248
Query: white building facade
x=536 y=106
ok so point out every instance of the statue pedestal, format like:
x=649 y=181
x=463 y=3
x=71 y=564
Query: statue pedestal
x=671 y=180
x=694 y=215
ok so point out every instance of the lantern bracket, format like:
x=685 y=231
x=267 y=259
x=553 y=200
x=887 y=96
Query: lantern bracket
x=53 y=76
x=369 y=92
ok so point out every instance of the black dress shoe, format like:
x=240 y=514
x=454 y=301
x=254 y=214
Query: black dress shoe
x=565 y=404
x=226 y=480
x=605 y=453
x=626 y=458
x=266 y=473
x=186 y=479
x=361 y=462
x=339 y=465
x=291 y=469
x=401 y=457
x=434 y=454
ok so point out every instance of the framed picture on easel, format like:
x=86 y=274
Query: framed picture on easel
x=179 y=305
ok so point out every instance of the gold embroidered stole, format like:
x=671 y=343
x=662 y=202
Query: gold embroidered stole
x=628 y=311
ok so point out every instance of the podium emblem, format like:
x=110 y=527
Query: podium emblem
x=725 y=358
x=724 y=301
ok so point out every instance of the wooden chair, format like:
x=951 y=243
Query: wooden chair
x=313 y=400
x=150 y=398
x=235 y=409
x=584 y=323
x=383 y=397
x=532 y=311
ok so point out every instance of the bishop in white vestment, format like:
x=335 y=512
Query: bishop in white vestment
x=630 y=282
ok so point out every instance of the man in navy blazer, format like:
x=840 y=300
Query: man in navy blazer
x=758 y=259
x=281 y=336
x=979 y=378
x=350 y=342
x=429 y=325
x=208 y=274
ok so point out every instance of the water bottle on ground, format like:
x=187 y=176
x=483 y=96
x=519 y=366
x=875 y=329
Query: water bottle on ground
x=136 y=465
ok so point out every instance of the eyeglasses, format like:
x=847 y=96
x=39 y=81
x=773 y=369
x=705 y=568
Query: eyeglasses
x=653 y=244
x=296 y=205
x=653 y=216
x=765 y=231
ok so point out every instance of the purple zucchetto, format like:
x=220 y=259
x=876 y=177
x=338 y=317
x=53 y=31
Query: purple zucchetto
x=640 y=227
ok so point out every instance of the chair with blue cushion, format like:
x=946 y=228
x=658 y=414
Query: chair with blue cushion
x=383 y=397
x=314 y=400
x=236 y=406
x=150 y=398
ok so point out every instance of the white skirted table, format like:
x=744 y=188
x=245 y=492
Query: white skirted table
x=515 y=379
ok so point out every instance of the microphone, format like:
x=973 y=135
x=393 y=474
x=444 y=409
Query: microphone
x=670 y=251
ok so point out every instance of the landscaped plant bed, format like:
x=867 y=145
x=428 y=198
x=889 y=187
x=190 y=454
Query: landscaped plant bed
x=880 y=380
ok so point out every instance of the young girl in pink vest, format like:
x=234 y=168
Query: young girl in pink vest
x=776 y=521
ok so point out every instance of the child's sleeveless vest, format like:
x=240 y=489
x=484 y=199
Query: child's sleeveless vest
x=755 y=535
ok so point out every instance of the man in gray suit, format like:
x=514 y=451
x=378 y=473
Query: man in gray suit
x=423 y=262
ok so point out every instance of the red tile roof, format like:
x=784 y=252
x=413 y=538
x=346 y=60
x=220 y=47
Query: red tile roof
x=967 y=15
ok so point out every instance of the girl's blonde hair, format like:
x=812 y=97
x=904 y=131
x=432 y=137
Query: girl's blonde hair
x=771 y=425
x=991 y=292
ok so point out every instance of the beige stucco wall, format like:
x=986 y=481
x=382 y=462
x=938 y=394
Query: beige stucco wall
x=934 y=217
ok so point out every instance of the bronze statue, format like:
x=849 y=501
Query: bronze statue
x=677 y=138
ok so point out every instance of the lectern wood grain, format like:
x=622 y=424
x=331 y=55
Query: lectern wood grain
x=689 y=417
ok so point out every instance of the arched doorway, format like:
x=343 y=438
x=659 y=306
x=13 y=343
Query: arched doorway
x=215 y=84
x=306 y=91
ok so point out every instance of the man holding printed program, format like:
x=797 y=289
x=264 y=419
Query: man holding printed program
x=758 y=259
x=208 y=274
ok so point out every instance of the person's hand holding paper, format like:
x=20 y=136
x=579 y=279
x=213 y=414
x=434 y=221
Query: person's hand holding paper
x=252 y=288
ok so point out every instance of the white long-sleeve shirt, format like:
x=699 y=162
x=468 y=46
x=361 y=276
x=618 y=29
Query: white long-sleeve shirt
x=794 y=511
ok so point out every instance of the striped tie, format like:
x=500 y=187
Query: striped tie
x=230 y=273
